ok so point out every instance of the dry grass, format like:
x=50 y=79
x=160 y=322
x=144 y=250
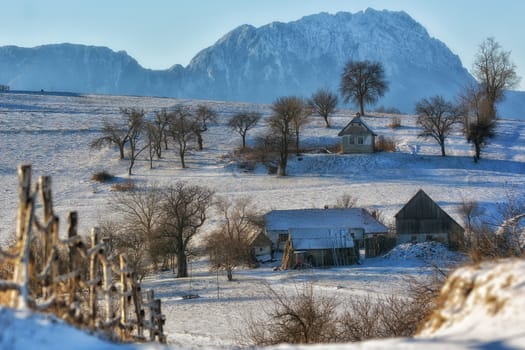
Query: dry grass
x=395 y=122
x=385 y=144
x=126 y=186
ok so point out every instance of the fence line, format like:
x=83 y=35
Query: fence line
x=80 y=283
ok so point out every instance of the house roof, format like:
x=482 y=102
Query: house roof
x=306 y=239
x=283 y=220
x=357 y=122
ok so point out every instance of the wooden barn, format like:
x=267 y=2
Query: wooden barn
x=319 y=248
x=422 y=219
x=357 y=137
x=356 y=222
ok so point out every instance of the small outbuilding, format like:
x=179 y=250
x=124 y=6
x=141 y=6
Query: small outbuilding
x=357 y=137
x=422 y=219
x=261 y=246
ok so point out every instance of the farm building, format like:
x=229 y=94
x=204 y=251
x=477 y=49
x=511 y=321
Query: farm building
x=319 y=247
x=357 y=137
x=261 y=245
x=422 y=219
x=357 y=223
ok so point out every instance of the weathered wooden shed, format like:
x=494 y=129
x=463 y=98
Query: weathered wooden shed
x=357 y=137
x=319 y=248
x=422 y=219
x=357 y=221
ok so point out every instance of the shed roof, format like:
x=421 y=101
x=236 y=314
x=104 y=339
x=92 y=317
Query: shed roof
x=305 y=239
x=283 y=220
x=356 y=122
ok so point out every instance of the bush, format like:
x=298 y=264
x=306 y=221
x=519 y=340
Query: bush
x=395 y=122
x=385 y=144
x=102 y=176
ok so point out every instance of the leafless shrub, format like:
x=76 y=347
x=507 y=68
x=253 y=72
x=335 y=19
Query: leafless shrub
x=302 y=318
x=346 y=200
x=102 y=176
x=385 y=144
x=395 y=122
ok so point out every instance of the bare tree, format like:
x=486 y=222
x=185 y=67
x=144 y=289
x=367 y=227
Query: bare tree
x=203 y=115
x=299 y=120
x=437 y=118
x=479 y=123
x=324 y=103
x=285 y=110
x=159 y=131
x=363 y=82
x=136 y=122
x=229 y=245
x=184 y=212
x=139 y=213
x=182 y=130
x=242 y=122
x=494 y=72
x=113 y=133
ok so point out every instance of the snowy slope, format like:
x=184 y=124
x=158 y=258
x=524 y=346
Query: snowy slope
x=53 y=132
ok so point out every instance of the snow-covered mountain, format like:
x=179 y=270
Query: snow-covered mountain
x=259 y=64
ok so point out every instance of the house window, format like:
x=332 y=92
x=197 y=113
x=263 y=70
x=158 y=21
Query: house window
x=351 y=140
x=429 y=238
x=413 y=239
x=283 y=237
x=360 y=140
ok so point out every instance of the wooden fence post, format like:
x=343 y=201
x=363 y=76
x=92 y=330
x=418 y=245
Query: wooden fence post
x=72 y=226
x=93 y=277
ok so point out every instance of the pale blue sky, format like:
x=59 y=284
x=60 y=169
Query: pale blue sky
x=160 y=33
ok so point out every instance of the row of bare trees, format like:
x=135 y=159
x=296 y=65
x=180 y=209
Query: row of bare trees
x=180 y=127
x=476 y=109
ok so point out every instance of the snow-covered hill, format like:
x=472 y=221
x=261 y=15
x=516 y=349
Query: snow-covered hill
x=260 y=64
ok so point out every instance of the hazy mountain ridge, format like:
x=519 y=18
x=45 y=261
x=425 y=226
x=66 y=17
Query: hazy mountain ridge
x=259 y=64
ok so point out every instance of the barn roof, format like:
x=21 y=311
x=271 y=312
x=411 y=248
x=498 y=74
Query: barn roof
x=304 y=239
x=416 y=201
x=282 y=220
x=356 y=122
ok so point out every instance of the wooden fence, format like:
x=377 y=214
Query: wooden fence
x=80 y=282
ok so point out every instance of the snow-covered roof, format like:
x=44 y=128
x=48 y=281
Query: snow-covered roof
x=356 y=121
x=283 y=220
x=322 y=238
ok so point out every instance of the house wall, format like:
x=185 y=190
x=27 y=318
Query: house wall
x=326 y=257
x=349 y=143
x=259 y=250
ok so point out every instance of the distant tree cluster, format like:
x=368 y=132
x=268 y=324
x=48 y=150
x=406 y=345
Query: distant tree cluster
x=181 y=127
x=476 y=109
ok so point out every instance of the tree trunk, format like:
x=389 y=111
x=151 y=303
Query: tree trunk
x=477 y=148
x=326 y=121
x=243 y=141
x=442 y=144
x=182 y=264
x=199 y=141
x=121 y=150
x=361 y=107
x=181 y=153
x=229 y=273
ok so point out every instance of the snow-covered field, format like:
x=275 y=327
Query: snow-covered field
x=53 y=133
